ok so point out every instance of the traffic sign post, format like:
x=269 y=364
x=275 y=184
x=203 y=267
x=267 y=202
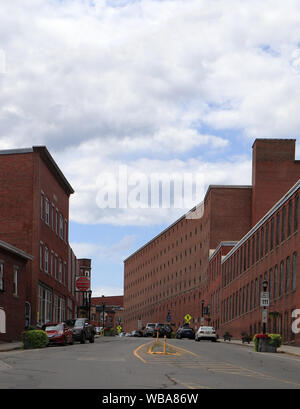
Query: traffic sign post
x=264 y=299
x=83 y=284
x=187 y=318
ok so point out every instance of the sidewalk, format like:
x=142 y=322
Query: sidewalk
x=10 y=346
x=286 y=349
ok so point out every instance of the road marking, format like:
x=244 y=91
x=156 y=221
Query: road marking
x=4 y=366
x=135 y=352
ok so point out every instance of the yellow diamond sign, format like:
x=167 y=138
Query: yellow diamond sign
x=119 y=328
x=187 y=318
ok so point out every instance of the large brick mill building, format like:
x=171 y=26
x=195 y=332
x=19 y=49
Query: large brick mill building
x=212 y=266
x=34 y=217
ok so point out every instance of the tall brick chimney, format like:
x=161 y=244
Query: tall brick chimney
x=274 y=172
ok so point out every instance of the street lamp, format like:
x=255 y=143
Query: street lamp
x=265 y=287
x=103 y=313
x=202 y=315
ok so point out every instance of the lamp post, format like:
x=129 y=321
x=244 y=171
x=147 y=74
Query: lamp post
x=89 y=301
x=265 y=287
x=103 y=313
x=202 y=314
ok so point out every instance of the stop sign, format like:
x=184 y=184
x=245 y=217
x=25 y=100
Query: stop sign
x=83 y=283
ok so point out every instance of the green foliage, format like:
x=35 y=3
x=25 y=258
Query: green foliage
x=275 y=340
x=34 y=339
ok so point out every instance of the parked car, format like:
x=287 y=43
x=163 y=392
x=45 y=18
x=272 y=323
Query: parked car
x=128 y=334
x=207 y=333
x=185 y=332
x=136 y=333
x=83 y=330
x=149 y=330
x=59 y=333
x=98 y=330
x=162 y=330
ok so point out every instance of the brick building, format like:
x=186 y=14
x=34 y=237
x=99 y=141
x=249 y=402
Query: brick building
x=113 y=311
x=173 y=272
x=12 y=291
x=34 y=217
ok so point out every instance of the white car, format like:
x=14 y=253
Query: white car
x=207 y=333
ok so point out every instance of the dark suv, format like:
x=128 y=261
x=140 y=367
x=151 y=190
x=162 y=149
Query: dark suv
x=83 y=330
x=162 y=330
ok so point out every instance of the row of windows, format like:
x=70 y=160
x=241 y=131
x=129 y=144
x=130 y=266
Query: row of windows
x=162 y=237
x=53 y=218
x=281 y=280
x=51 y=307
x=3 y=278
x=274 y=232
x=51 y=264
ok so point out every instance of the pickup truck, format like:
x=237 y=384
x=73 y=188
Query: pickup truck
x=83 y=330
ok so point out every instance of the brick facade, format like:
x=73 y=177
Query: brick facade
x=173 y=272
x=12 y=290
x=34 y=216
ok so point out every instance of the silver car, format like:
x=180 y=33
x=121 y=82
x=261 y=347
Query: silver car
x=206 y=333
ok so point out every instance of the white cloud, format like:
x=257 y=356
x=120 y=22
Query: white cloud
x=106 y=83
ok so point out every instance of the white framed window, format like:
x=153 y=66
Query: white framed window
x=60 y=271
x=51 y=263
x=61 y=226
x=41 y=256
x=56 y=221
x=1 y=276
x=47 y=211
x=52 y=216
x=46 y=260
x=66 y=230
x=55 y=267
x=42 y=205
x=15 y=281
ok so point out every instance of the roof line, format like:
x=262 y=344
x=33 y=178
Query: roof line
x=15 y=250
x=263 y=219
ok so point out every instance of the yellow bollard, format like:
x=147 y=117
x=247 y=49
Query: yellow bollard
x=165 y=345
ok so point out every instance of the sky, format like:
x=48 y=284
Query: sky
x=145 y=91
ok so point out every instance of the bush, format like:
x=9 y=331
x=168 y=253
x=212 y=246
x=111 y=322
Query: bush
x=34 y=339
x=275 y=340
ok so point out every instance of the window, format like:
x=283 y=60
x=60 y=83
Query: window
x=1 y=276
x=283 y=224
x=275 y=281
x=60 y=271
x=294 y=273
x=267 y=239
x=257 y=246
x=52 y=217
x=56 y=221
x=47 y=212
x=277 y=228
x=46 y=260
x=271 y=283
x=44 y=312
x=41 y=256
x=262 y=243
x=42 y=205
x=296 y=213
x=66 y=230
x=290 y=215
x=281 y=274
x=287 y=277
x=15 y=281
x=272 y=234
x=61 y=226
x=51 y=267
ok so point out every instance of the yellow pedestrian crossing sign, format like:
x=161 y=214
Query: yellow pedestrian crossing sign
x=187 y=318
x=119 y=328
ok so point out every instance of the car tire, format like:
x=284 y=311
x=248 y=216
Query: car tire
x=92 y=340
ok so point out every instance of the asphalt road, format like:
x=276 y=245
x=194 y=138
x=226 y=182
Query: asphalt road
x=124 y=363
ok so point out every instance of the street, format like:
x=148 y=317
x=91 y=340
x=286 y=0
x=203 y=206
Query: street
x=124 y=363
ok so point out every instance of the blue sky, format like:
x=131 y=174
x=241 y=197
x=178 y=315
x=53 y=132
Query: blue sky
x=157 y=87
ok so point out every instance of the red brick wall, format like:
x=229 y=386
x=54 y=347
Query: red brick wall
x=22 y=179
x=14 y=306
x=274 y=172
